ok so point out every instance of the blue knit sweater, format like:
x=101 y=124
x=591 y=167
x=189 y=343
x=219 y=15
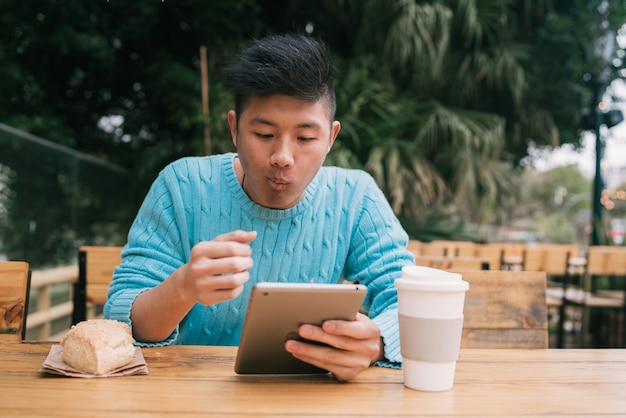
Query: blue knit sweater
x=342 y=229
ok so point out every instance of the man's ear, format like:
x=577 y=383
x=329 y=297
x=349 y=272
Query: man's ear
x=232 y=123
x=334 y=131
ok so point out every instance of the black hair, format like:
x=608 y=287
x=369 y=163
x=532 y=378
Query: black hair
x=290 y=64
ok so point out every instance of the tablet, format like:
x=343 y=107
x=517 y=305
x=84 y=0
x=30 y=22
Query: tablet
x=276 y=310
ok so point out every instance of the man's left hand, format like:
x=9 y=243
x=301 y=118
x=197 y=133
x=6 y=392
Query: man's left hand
x=354 y=346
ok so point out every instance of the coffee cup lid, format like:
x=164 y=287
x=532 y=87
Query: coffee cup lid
x=428 y=278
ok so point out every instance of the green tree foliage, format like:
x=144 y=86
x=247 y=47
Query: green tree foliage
x=438 y=99
x=66 y=65
x=481 y=84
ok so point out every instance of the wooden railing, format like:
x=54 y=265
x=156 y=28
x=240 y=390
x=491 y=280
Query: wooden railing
x=44 y=314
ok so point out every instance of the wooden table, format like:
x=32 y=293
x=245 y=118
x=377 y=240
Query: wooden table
x=188 y=381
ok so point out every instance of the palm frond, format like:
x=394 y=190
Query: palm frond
x=418 y=38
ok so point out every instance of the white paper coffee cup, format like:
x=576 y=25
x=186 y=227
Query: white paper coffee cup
x=430 y=303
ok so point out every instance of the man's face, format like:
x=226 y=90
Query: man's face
x=282 y=142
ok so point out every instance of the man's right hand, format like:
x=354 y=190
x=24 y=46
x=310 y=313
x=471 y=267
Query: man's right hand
x=218 y=269
x=215 y=272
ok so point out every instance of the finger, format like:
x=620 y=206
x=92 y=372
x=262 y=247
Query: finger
x=226 y=292
x=215 y=297
x=208 y=267
x=361 y=328
x=360 y=337
x=243 y=237
x=218 y=289
x=222 y=282
x=343 y=365
x=315 y=333
x=220 y=249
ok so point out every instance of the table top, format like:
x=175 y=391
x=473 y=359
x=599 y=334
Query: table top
x=187 y=381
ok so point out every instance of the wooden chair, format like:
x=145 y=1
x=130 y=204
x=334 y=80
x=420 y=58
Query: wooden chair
x=452 y=263
x=451 y=248
x=14 y=292
x=435 y=248
x=553 y=259
x=464 y=249
x=505 y=309
x=95 y=270
x=608 y=262
x=492 y=253
x=434 y=261
x=467 y=263
x=512 y=256
x=416 y=247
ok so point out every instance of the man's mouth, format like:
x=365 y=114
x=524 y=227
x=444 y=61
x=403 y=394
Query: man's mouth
x=278 y=182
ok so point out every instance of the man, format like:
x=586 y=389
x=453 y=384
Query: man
x=211 y=227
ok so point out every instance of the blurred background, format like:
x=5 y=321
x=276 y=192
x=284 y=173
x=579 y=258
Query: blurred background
x=455 y=107
x=491 y=121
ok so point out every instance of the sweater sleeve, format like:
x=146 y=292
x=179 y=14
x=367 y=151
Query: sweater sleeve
x=377 y=254
x=155 y=249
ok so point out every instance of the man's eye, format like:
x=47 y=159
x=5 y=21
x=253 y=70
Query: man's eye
x=264 y=136
x=305 y=138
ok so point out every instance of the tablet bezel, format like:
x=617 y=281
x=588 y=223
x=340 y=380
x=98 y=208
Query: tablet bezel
x=276 y=310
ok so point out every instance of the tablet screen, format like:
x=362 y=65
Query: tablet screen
x=276 y=310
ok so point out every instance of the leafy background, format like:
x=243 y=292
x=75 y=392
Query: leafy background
x=439 y=100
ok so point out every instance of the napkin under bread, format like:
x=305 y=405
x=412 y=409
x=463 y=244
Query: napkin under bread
x=54 y=364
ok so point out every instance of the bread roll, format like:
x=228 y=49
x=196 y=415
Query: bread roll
x=98 y=346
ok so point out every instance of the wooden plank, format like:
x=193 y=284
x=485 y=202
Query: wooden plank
x=505 y=309
x=41 y=317
x=101 y=261
x=415 y=247
x=465 y=263
x=451 y=263
x=503 y=338
x=551 y=258
x=597 y=258
x=464 y=249
x=435 y=261
x=56 y=275
x=13 y=298
x=97 y=293
x=616 y=262
x=436 y=248
x=490 y=252
x=194 y=381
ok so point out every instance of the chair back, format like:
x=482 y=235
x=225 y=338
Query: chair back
x=533 y=259
x=556 y=259
x=616 y=262
x=436 y=248
x=606 y=260
x=492 y=253
x=466 y=263
x=415 y=247
x=464 y=249
x=14 y=290
x=95 y=271
x=452 y=263
x=451 y=248
x=505 y=309
x=551 y=258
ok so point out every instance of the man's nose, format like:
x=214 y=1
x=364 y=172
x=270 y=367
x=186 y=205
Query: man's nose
x=282 y=154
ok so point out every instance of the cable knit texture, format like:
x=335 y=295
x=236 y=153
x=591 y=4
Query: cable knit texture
x=342 y=229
